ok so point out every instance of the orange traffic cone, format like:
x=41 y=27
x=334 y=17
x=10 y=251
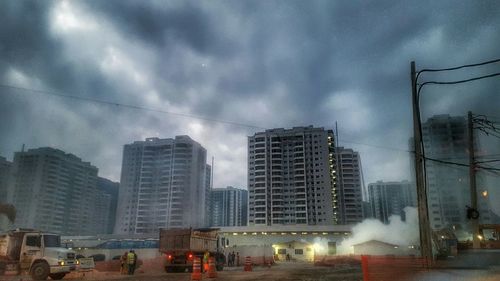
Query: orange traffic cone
x=212 y=271
x=248 y=264
x=196 y=275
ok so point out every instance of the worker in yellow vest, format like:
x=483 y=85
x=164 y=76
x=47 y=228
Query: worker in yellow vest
x=205 y=261
x=131 y=262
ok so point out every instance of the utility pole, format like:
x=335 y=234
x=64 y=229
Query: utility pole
x=472 y=181
x=423 y=213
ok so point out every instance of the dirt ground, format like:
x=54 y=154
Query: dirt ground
x=281 y=272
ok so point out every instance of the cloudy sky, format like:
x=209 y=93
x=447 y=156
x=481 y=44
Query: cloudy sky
x=261 y=63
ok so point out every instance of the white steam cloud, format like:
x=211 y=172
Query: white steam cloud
x=397 y=232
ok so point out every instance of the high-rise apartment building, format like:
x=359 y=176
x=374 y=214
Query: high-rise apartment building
x=445 y=138
x=350 y=182
x=109 y=191
x=5 y=191
x=389 y=198
x=55 y=191
x=292 y=177
x=229 y=206
x=163 y=185
x=5 y=174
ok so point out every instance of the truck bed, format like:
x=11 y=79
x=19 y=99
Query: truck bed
x=181 y=240
x=10 y=246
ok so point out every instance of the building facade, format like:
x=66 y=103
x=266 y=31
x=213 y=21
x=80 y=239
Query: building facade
x=55 y=191
x=389 y=198
x=5 y=174
x=163 y=185
x=229 y=207
x=5 y=191
x=109 y=197
x=445 y=138
x=292 y=177
x=351 y=185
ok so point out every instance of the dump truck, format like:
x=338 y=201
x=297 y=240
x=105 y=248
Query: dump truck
x=180 y=246
x=28 y=251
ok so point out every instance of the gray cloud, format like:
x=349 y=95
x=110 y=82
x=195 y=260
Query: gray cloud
x=267 y=63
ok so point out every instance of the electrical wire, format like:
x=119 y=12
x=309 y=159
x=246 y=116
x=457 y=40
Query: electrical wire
x=493 y=173
x=169 y=112
x=445 y=162
x=455 y=68
x=228 y=122
x=52 y=93
x=461 y=164
x=454 y=82
x=374 y=145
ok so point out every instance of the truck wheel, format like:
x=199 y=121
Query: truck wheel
x=40 y=271
x=57 y=276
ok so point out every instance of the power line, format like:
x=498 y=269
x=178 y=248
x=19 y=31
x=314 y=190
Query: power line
x=136 y=107
x=488 y=161
x=454 y=82
x=445 y=162
x=460 y=164
x=376 y=146
x=206 y=119
x=168 y=112
x=459 y=67
x=493 y=173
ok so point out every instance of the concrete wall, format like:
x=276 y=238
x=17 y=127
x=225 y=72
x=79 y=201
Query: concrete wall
x=271 y=239
x=294 y=249
x=258 y=254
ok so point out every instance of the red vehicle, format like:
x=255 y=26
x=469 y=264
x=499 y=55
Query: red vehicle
x=181 y=246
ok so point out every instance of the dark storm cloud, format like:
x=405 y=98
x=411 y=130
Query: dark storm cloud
x=163 y=25
x=268 y=63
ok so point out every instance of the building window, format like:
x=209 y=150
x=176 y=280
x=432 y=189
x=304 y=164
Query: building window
x=299 y=251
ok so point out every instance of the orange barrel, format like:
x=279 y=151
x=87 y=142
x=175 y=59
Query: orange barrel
x=212 y=271
x=196 y=275
x=248 y=264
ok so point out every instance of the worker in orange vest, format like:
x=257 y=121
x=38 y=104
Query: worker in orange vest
x=205 y=261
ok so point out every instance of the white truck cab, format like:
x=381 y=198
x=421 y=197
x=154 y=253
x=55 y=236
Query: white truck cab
x=38 y=253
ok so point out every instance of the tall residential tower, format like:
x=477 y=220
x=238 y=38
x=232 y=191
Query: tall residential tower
x=351 y=184
x=292 y=177
x=229 y=207
x=56 y=191
x=163 y=185
x=390 y=198
x=445 y=138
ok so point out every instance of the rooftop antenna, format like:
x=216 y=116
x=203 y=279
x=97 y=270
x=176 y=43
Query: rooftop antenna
x=336 y=135
x=212 y=177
